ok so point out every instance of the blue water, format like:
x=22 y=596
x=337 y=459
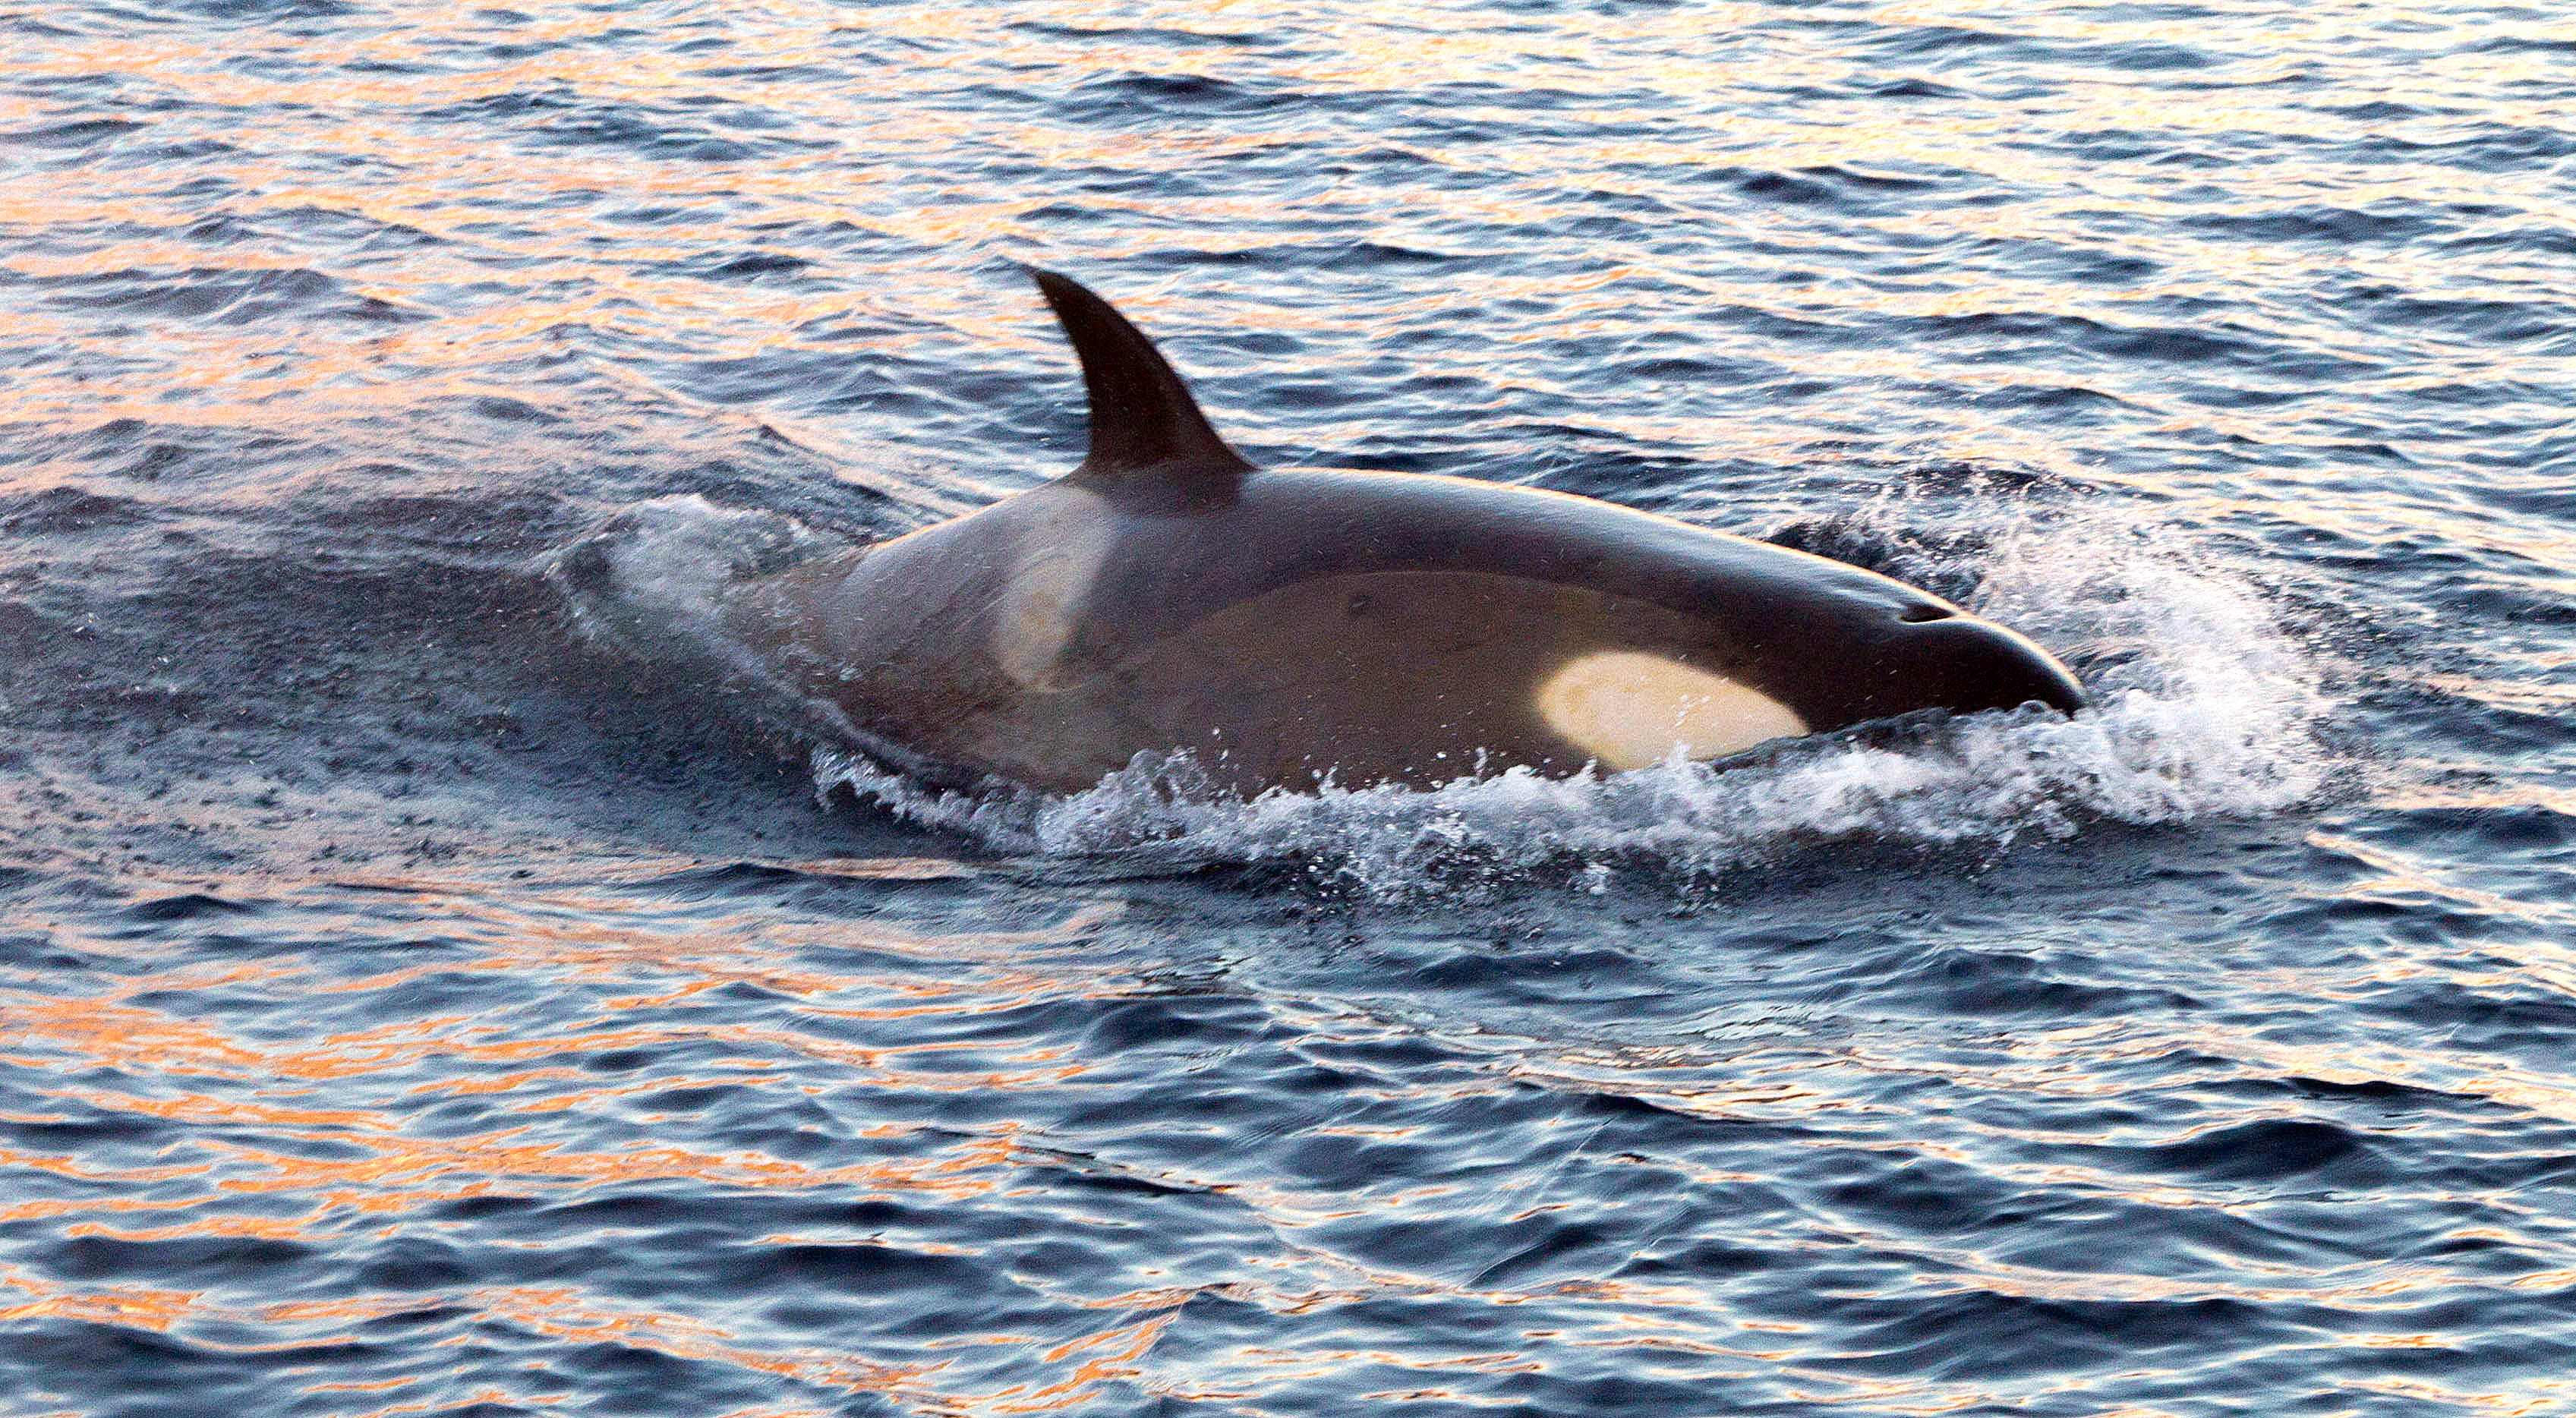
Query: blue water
x=413 y=1001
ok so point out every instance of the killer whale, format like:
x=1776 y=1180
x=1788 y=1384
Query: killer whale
x=1289 y=626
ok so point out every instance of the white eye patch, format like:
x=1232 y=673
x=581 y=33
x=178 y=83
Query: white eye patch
x=1629 y=709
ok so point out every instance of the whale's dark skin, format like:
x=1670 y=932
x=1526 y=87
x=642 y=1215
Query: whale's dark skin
x=1285 y=625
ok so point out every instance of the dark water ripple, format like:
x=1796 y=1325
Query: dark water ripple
x=409 y=1006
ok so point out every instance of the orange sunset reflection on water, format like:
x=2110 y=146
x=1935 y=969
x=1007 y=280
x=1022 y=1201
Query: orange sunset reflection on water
x=465 y=261
x=331 y=1171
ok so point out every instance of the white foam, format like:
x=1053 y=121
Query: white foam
x=2204 y=708
x=669 y=562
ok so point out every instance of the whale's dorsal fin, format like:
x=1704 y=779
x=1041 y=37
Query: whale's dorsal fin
x=1146 y=430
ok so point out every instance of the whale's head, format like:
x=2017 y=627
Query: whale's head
x=1936 y=657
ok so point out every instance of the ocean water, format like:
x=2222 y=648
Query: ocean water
x=425 y=992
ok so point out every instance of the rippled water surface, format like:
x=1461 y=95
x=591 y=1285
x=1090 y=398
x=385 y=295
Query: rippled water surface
x=413 y=1001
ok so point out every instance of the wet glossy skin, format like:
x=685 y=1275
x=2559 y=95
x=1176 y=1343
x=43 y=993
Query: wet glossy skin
x=1377 y=626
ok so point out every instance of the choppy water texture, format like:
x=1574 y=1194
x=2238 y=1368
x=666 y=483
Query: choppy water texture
x=417 y=1005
